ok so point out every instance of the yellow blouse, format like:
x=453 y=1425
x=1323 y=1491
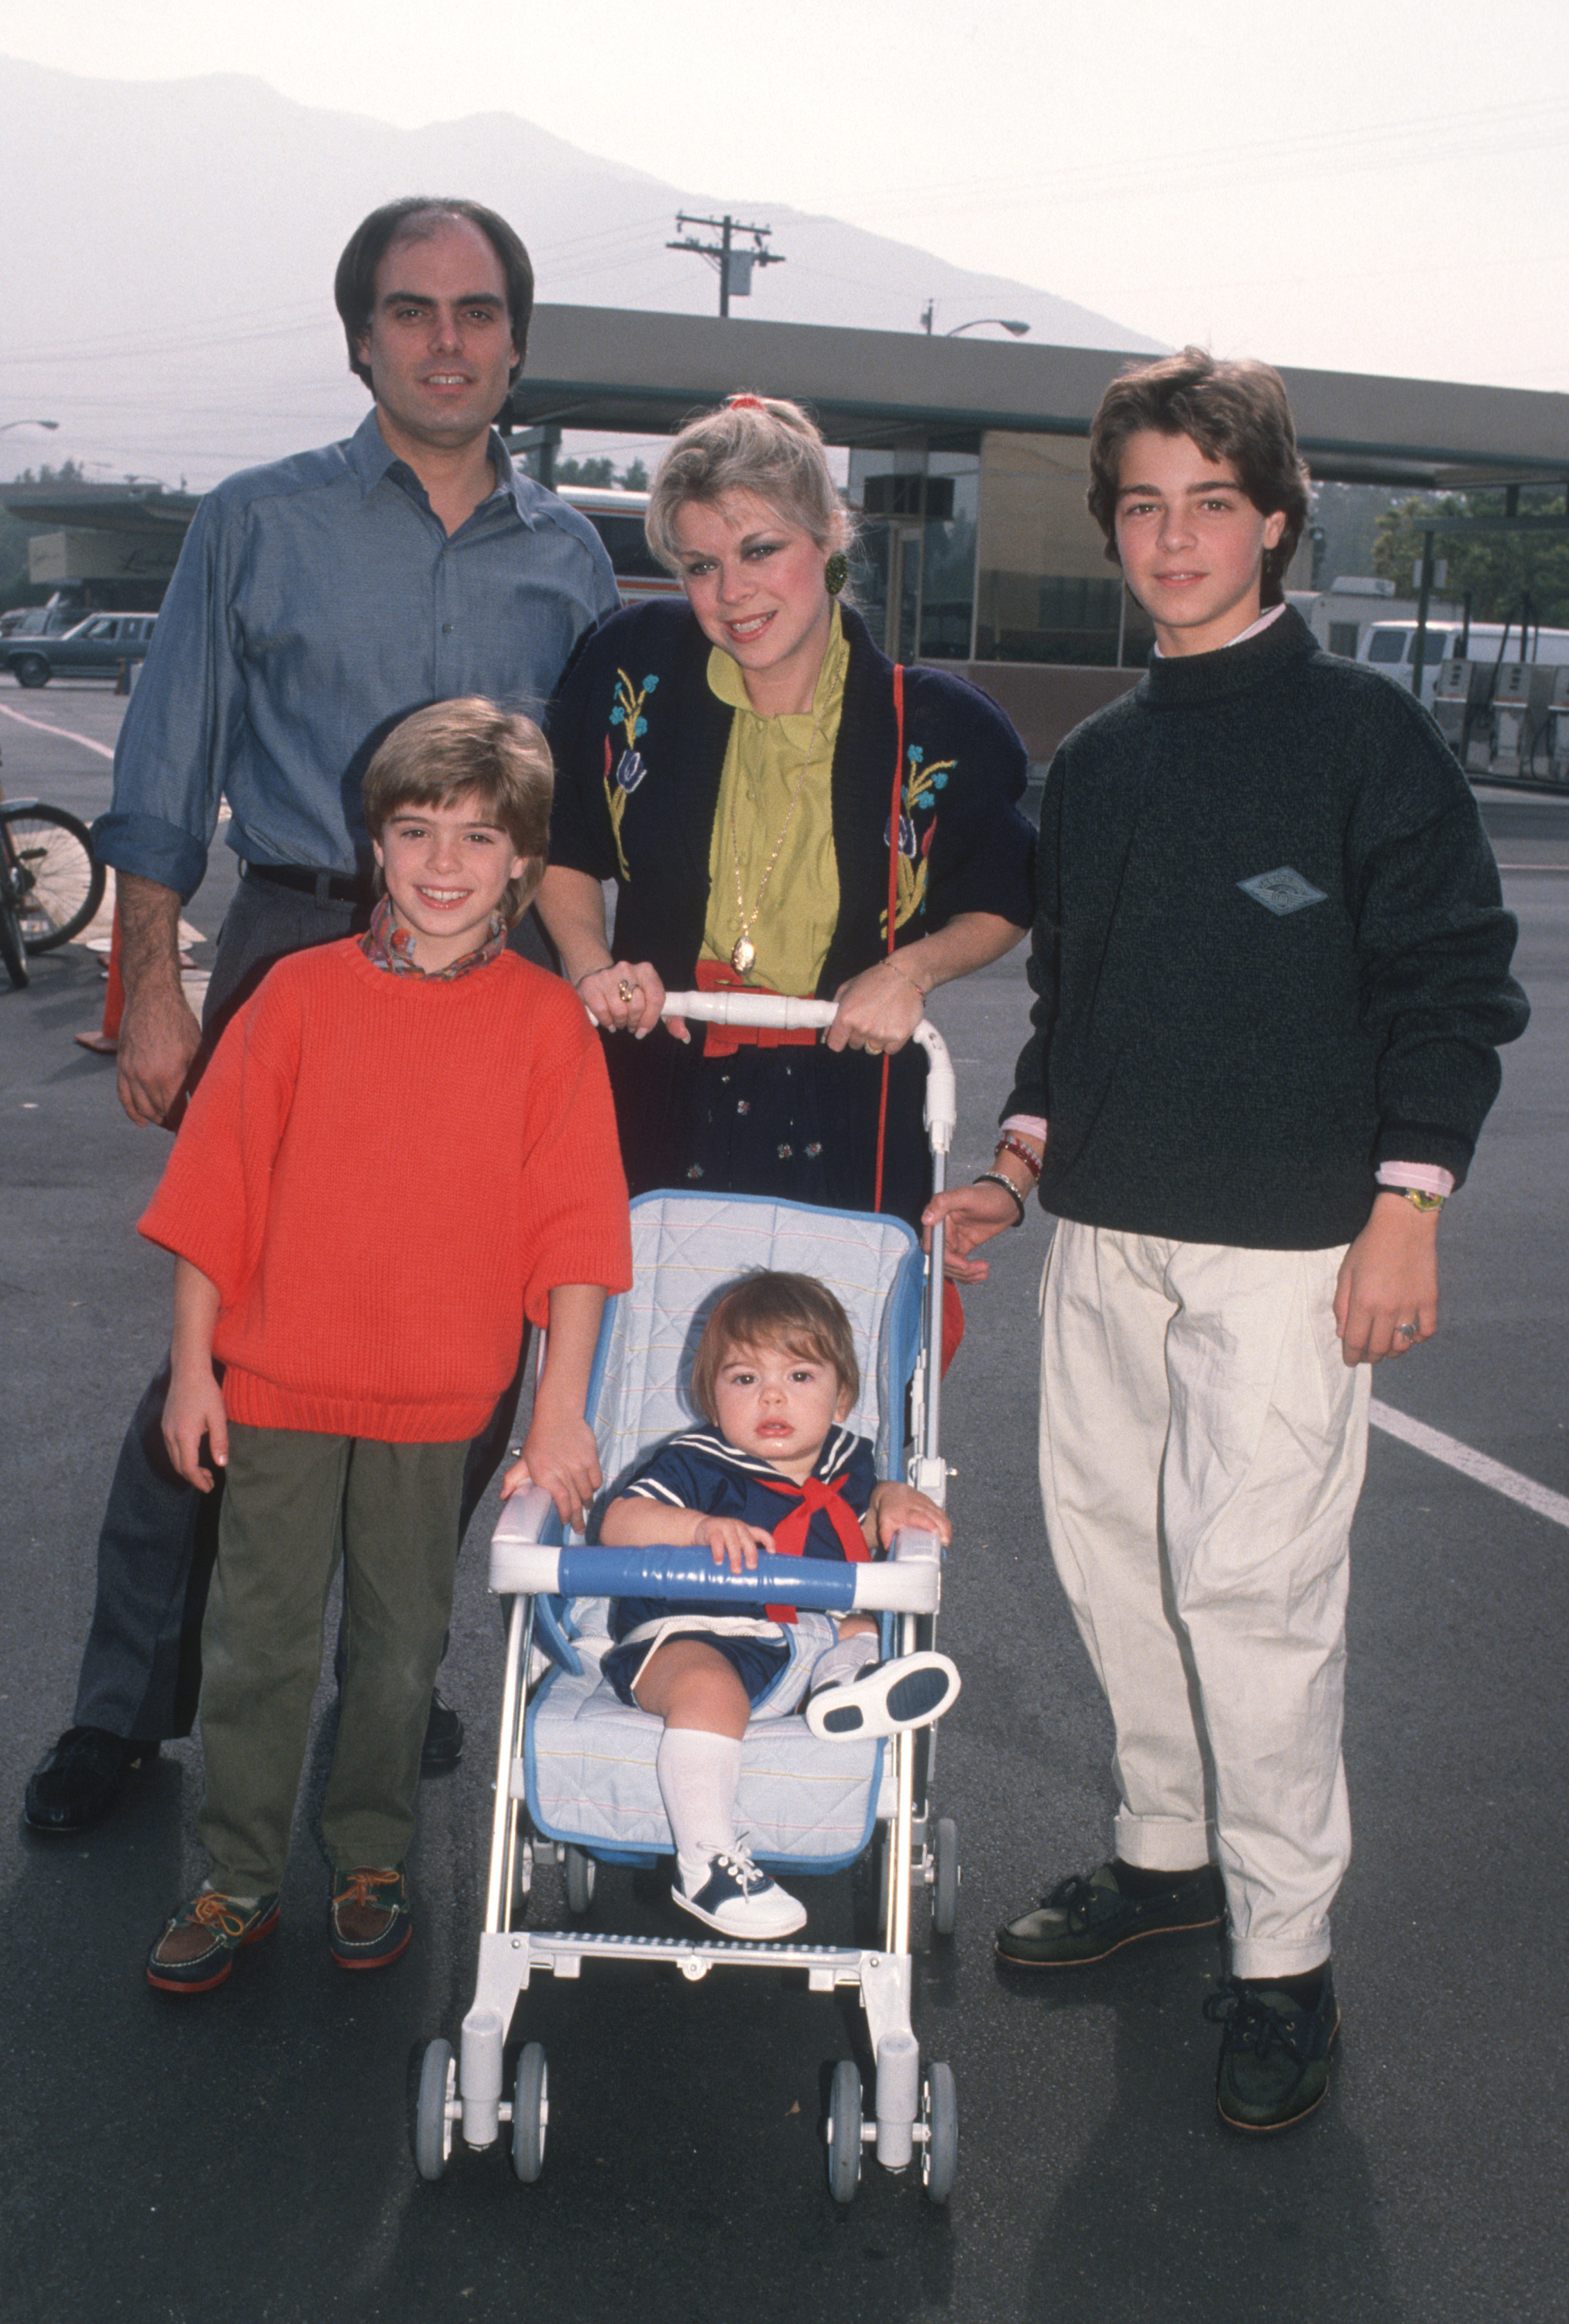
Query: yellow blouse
x=763 y=765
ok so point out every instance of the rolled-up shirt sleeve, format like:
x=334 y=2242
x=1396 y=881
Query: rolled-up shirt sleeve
x=180 y=727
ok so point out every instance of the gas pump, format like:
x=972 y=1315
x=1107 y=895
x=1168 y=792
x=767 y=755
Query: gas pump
x=1452 y=688
x=1558 y=726
x=1511 y=707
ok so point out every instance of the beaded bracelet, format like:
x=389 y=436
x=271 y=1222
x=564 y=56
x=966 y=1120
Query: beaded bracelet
x=995 y=1179
x=1010 y=1143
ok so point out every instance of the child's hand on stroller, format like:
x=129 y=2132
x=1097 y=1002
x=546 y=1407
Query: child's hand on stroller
x=731 y=1540
x=563 y=1456
x=892 y=1505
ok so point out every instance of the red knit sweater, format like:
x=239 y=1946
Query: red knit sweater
x=382 y=1175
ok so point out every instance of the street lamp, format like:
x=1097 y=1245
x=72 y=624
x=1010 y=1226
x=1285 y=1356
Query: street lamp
x=1014 y=330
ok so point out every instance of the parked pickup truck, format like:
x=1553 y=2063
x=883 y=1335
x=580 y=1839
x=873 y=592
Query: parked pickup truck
x=96 y=647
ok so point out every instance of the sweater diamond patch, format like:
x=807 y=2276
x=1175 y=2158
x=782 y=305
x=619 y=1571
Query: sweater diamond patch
x=1281 y=891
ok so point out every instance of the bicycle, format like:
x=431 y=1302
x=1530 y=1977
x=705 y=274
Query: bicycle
x=50 y=886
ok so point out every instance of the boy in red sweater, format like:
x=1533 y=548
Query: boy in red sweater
x=404 y=1146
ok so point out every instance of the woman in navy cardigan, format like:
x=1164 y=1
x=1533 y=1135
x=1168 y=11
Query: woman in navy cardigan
x=729 y=764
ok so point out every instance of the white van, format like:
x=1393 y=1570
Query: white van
x=617 y=516
x=1391 y=647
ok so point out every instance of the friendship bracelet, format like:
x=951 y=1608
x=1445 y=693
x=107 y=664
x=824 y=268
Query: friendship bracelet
x=995 y=1179
x=1010 y=1143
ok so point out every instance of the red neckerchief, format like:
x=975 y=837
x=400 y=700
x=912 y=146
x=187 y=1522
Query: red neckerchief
x=790 y=1534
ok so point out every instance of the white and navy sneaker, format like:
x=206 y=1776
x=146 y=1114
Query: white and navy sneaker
x=739 y=1900
x=914 y=1691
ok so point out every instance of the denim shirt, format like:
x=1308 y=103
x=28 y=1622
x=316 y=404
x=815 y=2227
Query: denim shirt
x=317 y=601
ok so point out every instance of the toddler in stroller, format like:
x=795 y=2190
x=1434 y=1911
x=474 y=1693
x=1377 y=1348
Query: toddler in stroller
x=775 y=1373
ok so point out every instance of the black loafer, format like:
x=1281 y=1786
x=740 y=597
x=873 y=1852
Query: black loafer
x=443 y=1738
x=75 y=1784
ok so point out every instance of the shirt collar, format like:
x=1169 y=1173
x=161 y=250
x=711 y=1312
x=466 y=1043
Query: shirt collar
x=1274 y=613
x=837 y=1447
x=371 y=457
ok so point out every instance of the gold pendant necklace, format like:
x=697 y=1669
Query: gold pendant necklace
x=744 y=952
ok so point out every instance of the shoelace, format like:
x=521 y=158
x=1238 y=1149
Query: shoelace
x=1250 y=2023
x=214 y=1910
x=1081 y=1901
x=362 y=1886
x=739 y=1862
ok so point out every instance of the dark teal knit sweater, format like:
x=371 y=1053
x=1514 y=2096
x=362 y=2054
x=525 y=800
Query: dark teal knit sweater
x=1228 y=1063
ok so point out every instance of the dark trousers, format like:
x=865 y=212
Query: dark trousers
x=140 y=1671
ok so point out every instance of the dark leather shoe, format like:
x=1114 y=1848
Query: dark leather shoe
x=75 y=1784
x=443 y=1738
x=368 y=1922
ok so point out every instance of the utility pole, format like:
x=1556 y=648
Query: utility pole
x=735 y=266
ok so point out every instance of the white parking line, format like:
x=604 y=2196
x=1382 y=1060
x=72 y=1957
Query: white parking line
x=64 y=732
x=1553 y=1506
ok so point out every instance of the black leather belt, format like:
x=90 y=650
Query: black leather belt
x=326 y=887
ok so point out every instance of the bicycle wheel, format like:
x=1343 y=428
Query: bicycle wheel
x=58 y=887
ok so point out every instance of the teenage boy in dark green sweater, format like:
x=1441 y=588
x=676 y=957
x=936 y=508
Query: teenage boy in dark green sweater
x=1271 y=970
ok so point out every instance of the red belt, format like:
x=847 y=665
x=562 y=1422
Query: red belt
x=724 y=1040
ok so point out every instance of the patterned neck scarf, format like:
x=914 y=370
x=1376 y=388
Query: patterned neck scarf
x=390 y=947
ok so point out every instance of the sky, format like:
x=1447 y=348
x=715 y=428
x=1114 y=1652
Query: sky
x=1372 y=185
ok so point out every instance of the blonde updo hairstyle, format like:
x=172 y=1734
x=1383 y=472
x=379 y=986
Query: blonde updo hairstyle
x=754 y=443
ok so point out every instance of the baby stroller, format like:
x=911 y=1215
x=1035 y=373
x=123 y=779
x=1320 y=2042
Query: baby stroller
x=575 y=1778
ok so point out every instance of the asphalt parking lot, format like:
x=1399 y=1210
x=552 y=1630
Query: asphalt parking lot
x=247 y=2154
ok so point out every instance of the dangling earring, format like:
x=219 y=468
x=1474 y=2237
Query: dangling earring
x=836 y=572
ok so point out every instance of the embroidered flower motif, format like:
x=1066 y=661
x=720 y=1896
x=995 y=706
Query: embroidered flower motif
x=815 y=1148
x=626 y=713
x=694 y=1170
x=784 y=1152
x=743 y=1105
x=921 y=785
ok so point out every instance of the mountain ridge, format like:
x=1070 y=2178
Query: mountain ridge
x=175 y=274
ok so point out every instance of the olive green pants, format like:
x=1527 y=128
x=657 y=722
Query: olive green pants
x=295 y=1505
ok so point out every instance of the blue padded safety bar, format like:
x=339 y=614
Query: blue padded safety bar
x=671 y=1572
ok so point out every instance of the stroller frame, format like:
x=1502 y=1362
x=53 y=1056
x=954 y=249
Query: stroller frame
x=913 y=2112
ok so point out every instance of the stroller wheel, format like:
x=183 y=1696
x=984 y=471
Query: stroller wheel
x=939 y=2113
x=530 y=2114
x=945 y=1877
x=844 y=2131
x=580 y=1880
x=432 y=2130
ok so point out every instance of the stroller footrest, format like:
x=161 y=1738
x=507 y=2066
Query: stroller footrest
x=564 y=1952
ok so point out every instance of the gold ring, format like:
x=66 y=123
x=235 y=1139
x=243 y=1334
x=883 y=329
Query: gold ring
x=626 y=992
x=873 y=1048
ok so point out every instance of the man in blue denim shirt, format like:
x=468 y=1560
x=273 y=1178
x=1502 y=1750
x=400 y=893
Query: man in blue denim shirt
x=315 y=602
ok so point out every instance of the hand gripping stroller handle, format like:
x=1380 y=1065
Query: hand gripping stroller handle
x=789 y=1010
x=908 y=1581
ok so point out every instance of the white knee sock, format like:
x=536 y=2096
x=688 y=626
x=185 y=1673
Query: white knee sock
x=699 y=1777
x=838 y=1663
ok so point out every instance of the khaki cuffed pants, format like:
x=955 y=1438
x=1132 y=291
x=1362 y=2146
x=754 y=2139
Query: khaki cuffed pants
x=294 y=1503
x=1202 y=1449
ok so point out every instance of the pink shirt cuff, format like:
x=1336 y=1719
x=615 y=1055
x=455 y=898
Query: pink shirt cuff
x=1424 y=1177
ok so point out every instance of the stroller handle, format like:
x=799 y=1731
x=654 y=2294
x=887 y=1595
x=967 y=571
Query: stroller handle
x=789 y=1010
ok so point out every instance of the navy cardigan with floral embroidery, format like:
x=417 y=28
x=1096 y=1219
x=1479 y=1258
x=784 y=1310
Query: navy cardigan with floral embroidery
x=638 y=806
